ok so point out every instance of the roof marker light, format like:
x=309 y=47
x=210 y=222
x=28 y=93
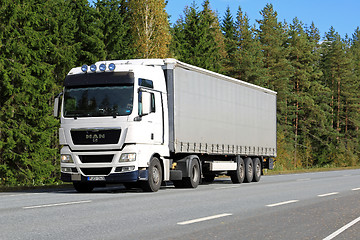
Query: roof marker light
x=111 y=66
x=84 y=68
x=93 y=68
x=102 y=67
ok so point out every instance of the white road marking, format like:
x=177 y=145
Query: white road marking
x=22 y=194
x=282 y=203
x=334 y=234
x=355 y=189
x=328 y=194
x=303 y=179
x=236 y=186
x=57 y=204
x=204 y=219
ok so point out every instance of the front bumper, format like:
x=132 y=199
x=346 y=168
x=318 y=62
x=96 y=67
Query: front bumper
x=133 y=176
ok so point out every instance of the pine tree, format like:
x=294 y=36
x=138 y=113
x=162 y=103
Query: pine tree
x=228 y=29
x=353 y=117
x=115 y=21
x=303 y=102
x=273 y=36
x=248 y=57
x=336 y=65
x=88 y=37
x=199 y=37
x=149 y=28
x=30 y=48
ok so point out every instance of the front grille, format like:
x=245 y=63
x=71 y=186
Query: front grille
x=95 y=136
x=96 y=171
x=96 y=158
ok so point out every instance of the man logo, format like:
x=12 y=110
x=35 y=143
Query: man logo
x=95 y=137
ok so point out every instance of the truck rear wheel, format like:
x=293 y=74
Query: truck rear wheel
x=238 y=175
x=83 y=187
x=257 y=170
x=249 y=171
x=194 y=179
x=155 y=176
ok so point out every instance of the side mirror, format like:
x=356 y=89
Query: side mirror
x=57 y=105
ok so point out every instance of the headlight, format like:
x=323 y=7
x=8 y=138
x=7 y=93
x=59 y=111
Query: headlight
x=128 y=157
x=66 y=158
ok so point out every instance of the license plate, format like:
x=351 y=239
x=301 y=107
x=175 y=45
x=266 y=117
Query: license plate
x=96 y=178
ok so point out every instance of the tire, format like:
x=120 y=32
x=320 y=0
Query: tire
x=249 y=170
x=194 y=179
x=238 y=175
x=155 y=176
x=82 y=187
x=257 y=170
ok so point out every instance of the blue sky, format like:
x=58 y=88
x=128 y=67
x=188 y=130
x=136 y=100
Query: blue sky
x=343 y=15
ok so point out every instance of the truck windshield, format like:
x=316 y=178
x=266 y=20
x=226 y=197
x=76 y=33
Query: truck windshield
x=98 y=101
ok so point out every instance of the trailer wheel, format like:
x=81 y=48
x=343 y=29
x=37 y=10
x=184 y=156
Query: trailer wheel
x=155 y=176
x=83 y=187
x=249 y=171
x=194 y=179
x=238 y=175
x=257 y=170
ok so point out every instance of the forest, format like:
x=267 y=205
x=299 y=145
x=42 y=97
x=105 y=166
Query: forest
x=316 y=75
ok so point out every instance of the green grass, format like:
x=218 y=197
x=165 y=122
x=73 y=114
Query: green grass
x=306 y=170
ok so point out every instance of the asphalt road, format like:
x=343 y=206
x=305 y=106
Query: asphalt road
x=323 y=205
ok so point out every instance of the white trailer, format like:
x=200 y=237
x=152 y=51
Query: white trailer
x=147 y=121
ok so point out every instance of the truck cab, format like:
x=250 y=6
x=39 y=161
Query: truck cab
x=113 y=118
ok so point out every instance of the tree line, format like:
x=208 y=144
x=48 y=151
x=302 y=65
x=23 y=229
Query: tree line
x=317 y=77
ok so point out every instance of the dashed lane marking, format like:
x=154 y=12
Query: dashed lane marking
x=56 y=204
x=282 y=203
x=204 y=219
x=328 y=194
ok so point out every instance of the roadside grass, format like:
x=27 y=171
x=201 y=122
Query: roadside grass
x=20 y=187
x=306 y=170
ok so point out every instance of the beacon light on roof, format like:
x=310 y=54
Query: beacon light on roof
x=111 y=66
x=93 y=68
x=102 y=67
x=84 y=68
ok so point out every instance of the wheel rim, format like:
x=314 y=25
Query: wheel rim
x=195 y=173
x=250 y=170
x=156 y=175
x=241 y=171
x=258 y=169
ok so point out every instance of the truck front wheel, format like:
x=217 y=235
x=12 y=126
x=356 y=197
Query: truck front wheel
x=155 y=176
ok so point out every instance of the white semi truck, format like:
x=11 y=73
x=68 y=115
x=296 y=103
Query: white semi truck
x=145 y=122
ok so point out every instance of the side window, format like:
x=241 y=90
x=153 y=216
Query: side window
x=146 y=83
x=152 y=102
